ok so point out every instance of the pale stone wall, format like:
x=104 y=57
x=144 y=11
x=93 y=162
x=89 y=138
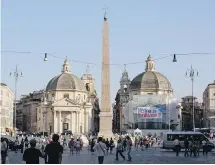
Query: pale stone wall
x=6 y=106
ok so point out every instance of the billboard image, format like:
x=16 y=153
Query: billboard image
x=149 y=112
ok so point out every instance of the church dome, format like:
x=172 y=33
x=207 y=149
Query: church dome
x=65 y=81
x=150 y=80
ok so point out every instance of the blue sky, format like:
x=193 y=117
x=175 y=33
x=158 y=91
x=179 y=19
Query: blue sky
x=74 y=29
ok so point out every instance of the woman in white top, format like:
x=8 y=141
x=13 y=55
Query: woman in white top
x=177 y=145
x=100 y=148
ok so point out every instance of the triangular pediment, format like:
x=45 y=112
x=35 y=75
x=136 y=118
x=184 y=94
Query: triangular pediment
x=65 y=102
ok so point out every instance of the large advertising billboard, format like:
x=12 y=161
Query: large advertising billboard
x=149 y=113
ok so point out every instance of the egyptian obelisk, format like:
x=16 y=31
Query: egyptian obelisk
x=105 y=113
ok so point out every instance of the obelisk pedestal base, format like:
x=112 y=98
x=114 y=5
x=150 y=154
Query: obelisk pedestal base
x=105 y=127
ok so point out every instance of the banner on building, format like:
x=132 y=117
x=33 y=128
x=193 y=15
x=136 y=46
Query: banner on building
x=149 y=113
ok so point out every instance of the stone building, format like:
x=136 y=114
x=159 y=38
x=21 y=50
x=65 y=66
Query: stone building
x=148 y=90
x=122 y=98
x=187 y=113
x=6 y=106
x=26 y=114
x=209 y=105
x=71 y=103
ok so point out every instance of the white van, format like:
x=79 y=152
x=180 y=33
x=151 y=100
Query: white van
x=169 y=137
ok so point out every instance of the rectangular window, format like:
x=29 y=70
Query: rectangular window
x=66 y=95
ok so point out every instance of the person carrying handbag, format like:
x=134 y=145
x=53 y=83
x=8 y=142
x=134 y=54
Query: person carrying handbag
x=100 y=148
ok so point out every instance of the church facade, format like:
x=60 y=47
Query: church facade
x=149 y=92
x=70 y=104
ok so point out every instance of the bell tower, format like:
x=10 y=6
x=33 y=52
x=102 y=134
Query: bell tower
x=89 y=81
x=124 y=87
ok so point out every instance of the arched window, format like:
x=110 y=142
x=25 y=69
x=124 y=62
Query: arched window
x=87 y=86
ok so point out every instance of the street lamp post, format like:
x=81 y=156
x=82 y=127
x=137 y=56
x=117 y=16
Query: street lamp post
x=17 y=74
x=169 y=114
x=192 y=74
x=43 y=103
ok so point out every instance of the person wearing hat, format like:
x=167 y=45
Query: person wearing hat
x=32 y=155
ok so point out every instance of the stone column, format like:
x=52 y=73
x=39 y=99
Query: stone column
x=87 y=121
x=70 y=123
x=60 y=122
x=76 y=122
x=55 y=122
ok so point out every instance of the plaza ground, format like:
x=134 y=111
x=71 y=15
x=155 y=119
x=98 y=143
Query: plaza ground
x=158 y=156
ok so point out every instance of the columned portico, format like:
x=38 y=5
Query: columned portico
x=74 y=119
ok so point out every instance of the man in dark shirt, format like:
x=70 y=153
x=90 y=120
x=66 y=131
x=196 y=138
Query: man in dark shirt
x=186 y=147
x=54 y=151
x=32 y=155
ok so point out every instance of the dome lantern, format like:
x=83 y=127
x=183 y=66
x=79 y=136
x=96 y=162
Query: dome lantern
x=66 y=66
x=150 y=64
x=150 y=81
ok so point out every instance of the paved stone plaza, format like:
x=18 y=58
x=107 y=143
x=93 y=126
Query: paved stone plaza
x=151 y=155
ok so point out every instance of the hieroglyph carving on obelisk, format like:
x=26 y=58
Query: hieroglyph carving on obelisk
x=105 y=113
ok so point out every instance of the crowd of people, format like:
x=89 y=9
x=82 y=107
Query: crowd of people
x=51 y=149
x=191 y=146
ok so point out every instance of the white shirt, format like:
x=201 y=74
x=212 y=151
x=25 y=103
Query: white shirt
x=100 y=148
x=203 y=142
x=78 y=144
x=176 y=142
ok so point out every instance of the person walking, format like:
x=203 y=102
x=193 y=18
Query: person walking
x=3 y=151
x=177 y=146
x=107 y=144
x=64 y=142
x=111 y=145
x=92 y=144
x=32 y=155
x=16 y=144
x=72 y=146
x=129 y=146
x=78 y=146
x=186 y=147
x=54 y=151
x=191 y=147
x=22 y=145
x=204 y=146
x=26 y=142
x=119 y=149
x=211 y=135
x=100 y=148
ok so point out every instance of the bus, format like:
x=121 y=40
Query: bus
x=169 y=137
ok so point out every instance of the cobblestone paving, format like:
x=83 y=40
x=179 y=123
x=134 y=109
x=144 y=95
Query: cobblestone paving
x=151 y=155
